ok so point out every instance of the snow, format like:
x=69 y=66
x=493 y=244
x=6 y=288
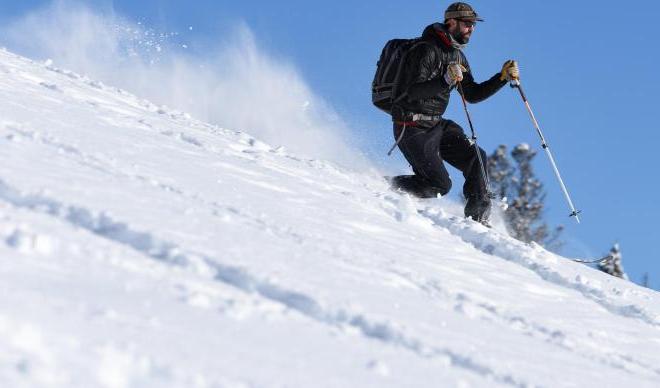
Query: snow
x=140 y=247
x=523 y=147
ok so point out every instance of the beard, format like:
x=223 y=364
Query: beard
x=460 y=38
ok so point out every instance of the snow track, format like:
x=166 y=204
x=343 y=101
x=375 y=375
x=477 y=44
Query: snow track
x=537 y=260
x=532 y=257
x=150 y=246
x=145 y=248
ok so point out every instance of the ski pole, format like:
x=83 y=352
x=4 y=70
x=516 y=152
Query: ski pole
x=473 y=140
x=544 y=144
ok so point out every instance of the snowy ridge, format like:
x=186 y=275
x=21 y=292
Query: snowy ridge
x=145 y=248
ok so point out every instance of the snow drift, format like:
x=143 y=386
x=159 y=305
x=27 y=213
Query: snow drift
x=141 y=247
x=233 y=81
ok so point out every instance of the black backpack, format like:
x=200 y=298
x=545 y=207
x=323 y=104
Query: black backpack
x=385 y=91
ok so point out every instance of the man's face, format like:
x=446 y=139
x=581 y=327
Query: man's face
x=462 y=30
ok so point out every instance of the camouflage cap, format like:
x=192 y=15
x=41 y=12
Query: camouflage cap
x=462 y=11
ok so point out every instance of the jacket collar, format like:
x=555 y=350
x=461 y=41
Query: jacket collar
x=438 y=32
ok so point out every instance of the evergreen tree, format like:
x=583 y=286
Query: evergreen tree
x=613 y=264
x=500 y=172
x=523 y=193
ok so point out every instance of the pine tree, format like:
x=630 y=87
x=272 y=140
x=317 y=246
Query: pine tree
x=613 y=264
x=500 y=172
x=523 y=193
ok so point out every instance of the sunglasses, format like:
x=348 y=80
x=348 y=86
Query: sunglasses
x=468 y=23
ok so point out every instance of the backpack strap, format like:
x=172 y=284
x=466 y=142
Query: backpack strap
x=438 y=55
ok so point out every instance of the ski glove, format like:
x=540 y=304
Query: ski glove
x=510 y=71
x=454 y=73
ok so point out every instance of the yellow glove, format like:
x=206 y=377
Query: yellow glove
x=454 y=73
x=510 y=71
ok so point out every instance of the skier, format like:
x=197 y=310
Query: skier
x=425 y=138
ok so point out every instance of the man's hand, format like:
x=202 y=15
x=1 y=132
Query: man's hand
x=454 y=73
x=510 y=71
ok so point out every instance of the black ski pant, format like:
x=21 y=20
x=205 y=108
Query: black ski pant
x=426 y=146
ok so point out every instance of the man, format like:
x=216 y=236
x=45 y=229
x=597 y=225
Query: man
x=430 y=72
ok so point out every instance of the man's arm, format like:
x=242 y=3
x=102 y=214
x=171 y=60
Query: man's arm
x=477 y=92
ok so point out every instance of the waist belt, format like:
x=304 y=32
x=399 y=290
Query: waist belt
x=422 y=117
x=414 y=119
x=411 y=119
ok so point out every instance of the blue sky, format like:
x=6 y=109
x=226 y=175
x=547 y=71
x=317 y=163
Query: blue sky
x=588 y=70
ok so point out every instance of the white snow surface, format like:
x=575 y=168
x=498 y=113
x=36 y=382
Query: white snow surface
x=142 y=248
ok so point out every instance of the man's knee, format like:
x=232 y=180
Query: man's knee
x=475 y=163
x=452 y=127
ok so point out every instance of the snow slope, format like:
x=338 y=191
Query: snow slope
x=142 y=248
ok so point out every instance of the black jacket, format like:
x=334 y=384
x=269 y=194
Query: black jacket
x=423 y=76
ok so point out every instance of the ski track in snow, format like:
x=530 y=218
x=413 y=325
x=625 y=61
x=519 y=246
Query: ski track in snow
x=105 y=227
x=492 y=313
x=99 y=164
x=530 y=256
x=520 y=253
x=230 y=145
x=147 y=244
x=490 y=243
